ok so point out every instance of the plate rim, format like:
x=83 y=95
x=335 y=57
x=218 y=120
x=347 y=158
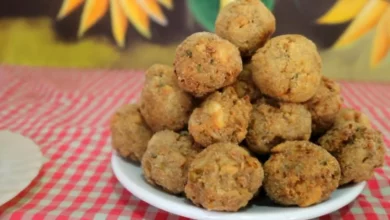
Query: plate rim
x=158 y=202
x=35 y=172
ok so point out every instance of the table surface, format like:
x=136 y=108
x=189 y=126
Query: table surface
x=67 y=112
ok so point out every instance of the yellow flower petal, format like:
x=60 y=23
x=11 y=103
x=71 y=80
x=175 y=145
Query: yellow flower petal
x=342 y=11
x=67 y=7
x=364 y=22
x=381 y=42
x=223 y=3
x=92 y=12
x=153 y=9
x=137 y=16
x=166 y=3
x=119 y=22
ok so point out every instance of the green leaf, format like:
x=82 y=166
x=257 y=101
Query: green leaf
x=269 y=3
x=205 y=12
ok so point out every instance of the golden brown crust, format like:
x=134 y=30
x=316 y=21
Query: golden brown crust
x=246 y=23
x=129 y=132
x=273 y=122
x=167 y=159
x=205 y=62
x=300 y=173
x=222 y=117
x=325 y=105
x=223 y=177
x=245 y=86
x=358 y=148
x=163 y=104
x=336 y=137
x=287 y=68
x=347 y=115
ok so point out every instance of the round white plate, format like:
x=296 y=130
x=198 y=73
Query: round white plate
x=130 y=175
x=20 y=162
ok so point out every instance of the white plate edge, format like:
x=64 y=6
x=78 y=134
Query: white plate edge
x=316 y=211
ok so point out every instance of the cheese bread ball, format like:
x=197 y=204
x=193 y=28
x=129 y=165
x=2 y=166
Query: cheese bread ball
x=246 y=23
x=273 y=122
x=163 y=104
x=245 y=86
x=205 y=62
x=300 y=173
x=129 y=132
x=287 y=68
x=347 y=115
x=358 y=148
x=223 y=177
x=325 y=105
x=222 y=117
x=167 y=159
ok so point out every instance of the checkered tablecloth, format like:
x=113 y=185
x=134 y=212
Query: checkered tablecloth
x=66 y=112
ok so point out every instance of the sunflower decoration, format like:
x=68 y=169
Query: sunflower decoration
x=365 y=15
x=138 y=12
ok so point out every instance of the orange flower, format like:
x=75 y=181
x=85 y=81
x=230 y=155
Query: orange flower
x=366 y=15
x=137 y=12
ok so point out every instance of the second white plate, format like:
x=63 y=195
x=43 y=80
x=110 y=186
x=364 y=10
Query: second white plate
x=20 y=162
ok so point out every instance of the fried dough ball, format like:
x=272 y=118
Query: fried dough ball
x=223 y=177
x=273 y=122
x=245 y=86
x=347 y=115
x=287 y=68
x=163 y=104
x=300 y=173
x=167 y=159
x=335 y=138
x=324 y=105
x=222 y=117
x=205 y=62
x=246 y=23
x=129 y=132
x=358 y=148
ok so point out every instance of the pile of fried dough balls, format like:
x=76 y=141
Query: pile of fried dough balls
x=237 y=95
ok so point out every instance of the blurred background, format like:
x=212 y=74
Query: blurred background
x=353 y=36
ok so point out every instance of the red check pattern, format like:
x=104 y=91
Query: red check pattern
x=67 y=112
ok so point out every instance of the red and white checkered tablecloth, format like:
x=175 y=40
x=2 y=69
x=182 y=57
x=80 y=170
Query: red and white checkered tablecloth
x=66 y=112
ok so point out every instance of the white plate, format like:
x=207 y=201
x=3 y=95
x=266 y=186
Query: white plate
x=20 y=162
x=130 y=175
